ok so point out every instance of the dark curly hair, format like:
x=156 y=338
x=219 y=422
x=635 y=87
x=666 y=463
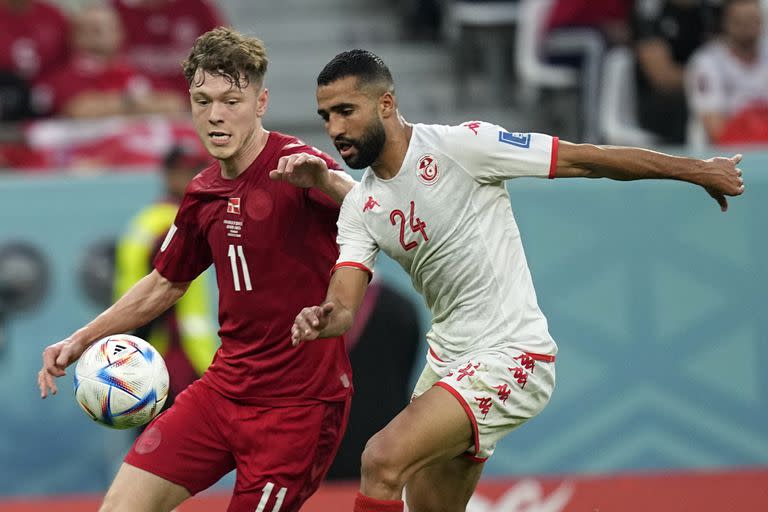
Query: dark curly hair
x=240 y=59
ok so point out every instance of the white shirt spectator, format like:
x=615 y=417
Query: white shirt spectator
x=718 y=81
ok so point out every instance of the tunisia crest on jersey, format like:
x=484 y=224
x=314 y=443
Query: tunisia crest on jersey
x=426 y=170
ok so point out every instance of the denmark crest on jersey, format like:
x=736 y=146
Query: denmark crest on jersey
x=426 y=170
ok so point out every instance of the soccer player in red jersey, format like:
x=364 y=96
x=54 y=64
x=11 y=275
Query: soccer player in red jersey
x=274 y=413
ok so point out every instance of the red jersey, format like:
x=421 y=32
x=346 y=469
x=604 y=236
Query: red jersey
x=84 y=74
x=33 y=40
x=159 y=37
x=273 y=246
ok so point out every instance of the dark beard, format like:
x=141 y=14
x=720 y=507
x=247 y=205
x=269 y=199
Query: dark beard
x=368 y=147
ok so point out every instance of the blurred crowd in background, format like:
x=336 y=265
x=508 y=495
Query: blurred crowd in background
x=637 y=72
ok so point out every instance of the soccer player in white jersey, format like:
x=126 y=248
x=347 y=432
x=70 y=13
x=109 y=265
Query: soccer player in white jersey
x=433 y=198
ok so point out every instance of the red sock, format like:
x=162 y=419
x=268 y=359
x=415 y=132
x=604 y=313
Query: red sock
x=365 y=504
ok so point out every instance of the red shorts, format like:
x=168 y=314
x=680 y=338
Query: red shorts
x=281 y=453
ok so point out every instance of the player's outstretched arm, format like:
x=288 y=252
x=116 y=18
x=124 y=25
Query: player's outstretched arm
x=143 y=302
x=335 y=315
x=305 y=170
x=719 y=176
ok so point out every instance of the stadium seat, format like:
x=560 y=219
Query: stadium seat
x=536 y=74
x=492 y=23
x=617 y=118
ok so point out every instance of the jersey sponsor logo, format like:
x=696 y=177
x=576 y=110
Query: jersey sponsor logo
x=474 y=125
x=426 y=170
x=168 y=237
x=521 y=140
x=520 y=375
x=233 y=205
x=484 y=403
x=370 y=204
x=467 y=371
x=503 y=392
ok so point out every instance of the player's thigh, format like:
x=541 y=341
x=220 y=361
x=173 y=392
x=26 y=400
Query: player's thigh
x=283 y=453
x=135 y=489
x=188 y=444
x=434 y=427
x=443 y=487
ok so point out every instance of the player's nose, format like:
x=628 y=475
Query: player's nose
x=216 y=112
x=335 y=127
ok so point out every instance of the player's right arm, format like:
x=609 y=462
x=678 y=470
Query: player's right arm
x=351 y=274
x=335 y=315
x=719 y=176
x=144 y=301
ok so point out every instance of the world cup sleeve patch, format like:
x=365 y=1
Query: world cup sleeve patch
x=521 y=140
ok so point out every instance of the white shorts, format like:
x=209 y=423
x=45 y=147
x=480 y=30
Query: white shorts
x=499 y=392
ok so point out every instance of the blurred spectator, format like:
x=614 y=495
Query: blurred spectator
x=99 y=81
x=161 y=32
x=33 y=38
x=184 y=335
x=609 y=17
x=14 y=97
x=383 y=344
x=666 y=34
x=727 y=81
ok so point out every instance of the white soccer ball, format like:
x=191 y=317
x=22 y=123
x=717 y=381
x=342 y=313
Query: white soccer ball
x=121 y=381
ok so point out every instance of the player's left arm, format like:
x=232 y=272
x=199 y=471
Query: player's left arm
x=335 y=315
x=719 y=176
x=306 y=170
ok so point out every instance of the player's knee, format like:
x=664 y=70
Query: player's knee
x=117 y=500
x=380 y=463
x=111 y=502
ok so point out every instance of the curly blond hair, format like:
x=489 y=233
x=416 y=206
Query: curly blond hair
x=241 y=59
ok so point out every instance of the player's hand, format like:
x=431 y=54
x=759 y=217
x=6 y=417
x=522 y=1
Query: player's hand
x=722 y=178
x=301 y=170
x=56 y=358
x=310 y=322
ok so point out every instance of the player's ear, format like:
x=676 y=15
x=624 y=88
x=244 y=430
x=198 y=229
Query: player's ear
x=262 y=100
x=387 y=104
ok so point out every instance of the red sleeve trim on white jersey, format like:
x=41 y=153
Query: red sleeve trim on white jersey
x=352 y=264
x=553 y=162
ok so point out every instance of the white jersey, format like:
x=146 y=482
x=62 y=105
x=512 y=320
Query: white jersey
x=446 y=218
x=717 y=81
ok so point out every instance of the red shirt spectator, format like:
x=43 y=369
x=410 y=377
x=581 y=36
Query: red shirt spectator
x=609 y=16
x=159 y=34
x=99 y=81
x=86 y=74
x=33 y=37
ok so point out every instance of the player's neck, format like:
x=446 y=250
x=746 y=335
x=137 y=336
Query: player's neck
x=393 y=153
x=236 y=165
